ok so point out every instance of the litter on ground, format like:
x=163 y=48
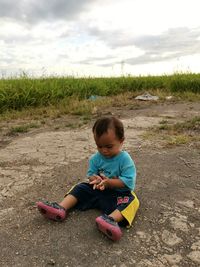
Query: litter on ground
x=147 y=97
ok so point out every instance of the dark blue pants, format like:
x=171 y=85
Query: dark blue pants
x=107 y=200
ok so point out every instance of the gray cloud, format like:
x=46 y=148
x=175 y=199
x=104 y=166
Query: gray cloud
x=178 y=39
x=15 y=39
x=34 y=11
x=113 y=38
x=173 y=43
x=91 y=60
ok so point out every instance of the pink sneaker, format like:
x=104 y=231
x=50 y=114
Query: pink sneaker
x=109 y=227
x=51 y=210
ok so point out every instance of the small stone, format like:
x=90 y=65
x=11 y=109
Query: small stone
x=52 y=262
x=95 y=252
x=194 y=256
x=173 y=259
x=170 y=239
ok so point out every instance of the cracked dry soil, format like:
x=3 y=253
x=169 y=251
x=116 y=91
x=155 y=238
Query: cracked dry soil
x=45 y=163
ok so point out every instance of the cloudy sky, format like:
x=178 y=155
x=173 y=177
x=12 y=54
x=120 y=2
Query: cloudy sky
x=99 y=37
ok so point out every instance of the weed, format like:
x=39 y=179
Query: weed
x=175 y=134
x=22 y=128
x=71 y=125
x=163 y=122
x=178 y=140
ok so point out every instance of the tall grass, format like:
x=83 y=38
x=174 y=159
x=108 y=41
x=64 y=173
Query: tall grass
x=23 y=92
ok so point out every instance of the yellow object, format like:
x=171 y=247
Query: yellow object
x=130 y=211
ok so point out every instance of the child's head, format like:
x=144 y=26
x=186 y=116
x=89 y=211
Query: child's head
x=108 y=135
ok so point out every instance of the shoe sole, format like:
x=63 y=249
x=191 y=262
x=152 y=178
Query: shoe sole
x=111 y=231
x=50 y=212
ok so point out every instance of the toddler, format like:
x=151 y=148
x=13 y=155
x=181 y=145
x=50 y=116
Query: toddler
x=110 y=183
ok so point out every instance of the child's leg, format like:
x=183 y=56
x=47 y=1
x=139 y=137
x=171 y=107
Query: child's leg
x=68 y=202
x=124 y=209
x=82 y=196
x=116 y=215
x=55 y=211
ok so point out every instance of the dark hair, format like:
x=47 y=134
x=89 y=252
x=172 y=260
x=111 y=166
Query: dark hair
x=102 y=125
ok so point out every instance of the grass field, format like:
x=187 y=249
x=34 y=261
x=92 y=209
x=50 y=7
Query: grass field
x=72 y=95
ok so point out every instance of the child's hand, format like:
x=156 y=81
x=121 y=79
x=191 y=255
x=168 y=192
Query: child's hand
x=103 y=184
x=92 y=178
x=95 y=180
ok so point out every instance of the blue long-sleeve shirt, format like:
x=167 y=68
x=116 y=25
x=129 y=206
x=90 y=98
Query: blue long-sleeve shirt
x=121 y=166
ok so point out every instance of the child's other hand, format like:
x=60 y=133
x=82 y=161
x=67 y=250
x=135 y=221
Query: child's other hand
x=94 y=177
x=103 y=184
x=95 y=180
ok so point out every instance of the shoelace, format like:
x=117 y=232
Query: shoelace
x=54 y=205
x=109 y=219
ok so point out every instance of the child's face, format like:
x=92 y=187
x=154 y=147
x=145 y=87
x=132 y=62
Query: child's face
x=108 y=144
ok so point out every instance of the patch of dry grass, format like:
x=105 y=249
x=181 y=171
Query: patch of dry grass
x=175 y=134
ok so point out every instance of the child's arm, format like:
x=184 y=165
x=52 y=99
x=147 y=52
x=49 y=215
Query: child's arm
x=114 y=183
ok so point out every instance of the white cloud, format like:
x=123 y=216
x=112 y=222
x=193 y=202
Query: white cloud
x=94 y=37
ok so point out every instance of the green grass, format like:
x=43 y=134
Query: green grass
x=21 y=93
x=72 y=105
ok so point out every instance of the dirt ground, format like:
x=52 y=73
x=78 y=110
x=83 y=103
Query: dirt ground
x=45 y=162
